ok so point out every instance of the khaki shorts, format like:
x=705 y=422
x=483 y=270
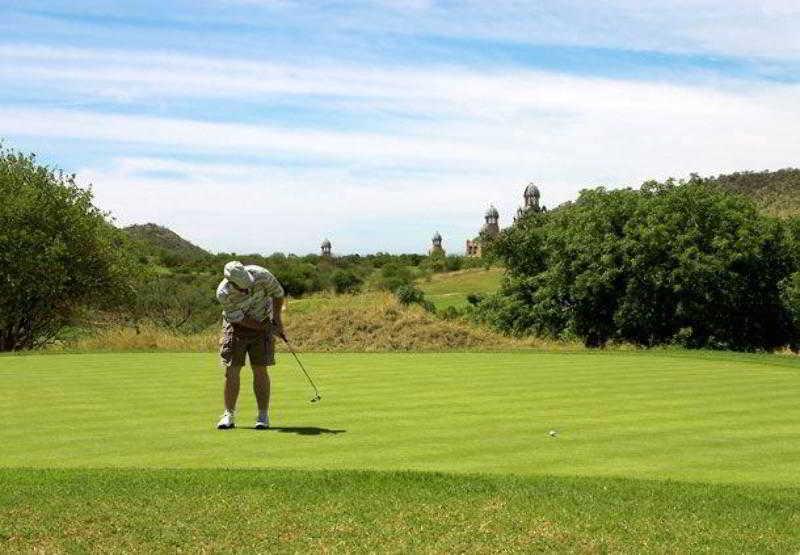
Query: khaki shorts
x=237 y=342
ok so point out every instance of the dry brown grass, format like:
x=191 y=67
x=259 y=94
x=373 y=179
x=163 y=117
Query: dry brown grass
x=363 y=323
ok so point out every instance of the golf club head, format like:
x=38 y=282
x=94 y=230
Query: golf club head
x=316 y=399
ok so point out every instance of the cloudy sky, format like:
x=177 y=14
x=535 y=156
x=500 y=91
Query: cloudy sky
x=267 y=125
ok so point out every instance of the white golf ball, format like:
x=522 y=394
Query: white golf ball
x=553 y=433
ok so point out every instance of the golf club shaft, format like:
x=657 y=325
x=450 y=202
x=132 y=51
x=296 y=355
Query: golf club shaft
x=300 y=364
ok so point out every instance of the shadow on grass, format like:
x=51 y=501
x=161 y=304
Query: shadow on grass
x=303 y=430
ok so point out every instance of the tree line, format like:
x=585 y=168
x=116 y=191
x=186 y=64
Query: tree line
x=64 y=264
x=680 y=262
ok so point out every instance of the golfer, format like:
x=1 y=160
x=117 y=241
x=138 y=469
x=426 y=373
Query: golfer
x=251 y=301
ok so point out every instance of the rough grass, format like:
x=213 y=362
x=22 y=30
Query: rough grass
x=345 y=511
x=451 y=288
x=373 y=322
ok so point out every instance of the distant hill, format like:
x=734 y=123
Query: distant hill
x=164 y=242
x=775 y=192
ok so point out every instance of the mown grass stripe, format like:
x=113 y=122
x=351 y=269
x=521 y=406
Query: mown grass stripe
x=623 y=414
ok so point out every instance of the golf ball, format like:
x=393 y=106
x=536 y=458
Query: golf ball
x=553 y=433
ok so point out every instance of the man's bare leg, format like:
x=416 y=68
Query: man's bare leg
x=261 y=387
x=232 y=387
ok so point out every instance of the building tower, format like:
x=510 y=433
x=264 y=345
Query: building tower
x=532 y=196
x=436 y=248
x=531 y=203
x=490 y=230
x=492 y=227
x=326 y=248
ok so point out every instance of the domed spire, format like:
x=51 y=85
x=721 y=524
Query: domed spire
x=532 y=191
x=437 y=245
x=491 y=228
x=532 y=196
x=326 y=248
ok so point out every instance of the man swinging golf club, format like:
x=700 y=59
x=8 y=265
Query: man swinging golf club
x=251 y=299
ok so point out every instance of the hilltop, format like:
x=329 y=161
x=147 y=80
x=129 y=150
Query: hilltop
x=775 y=192
x=162 y=241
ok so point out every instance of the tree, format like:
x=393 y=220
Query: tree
x=58 y=252
x=671 y=263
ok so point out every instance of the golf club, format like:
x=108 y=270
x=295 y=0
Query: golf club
x=317 y=397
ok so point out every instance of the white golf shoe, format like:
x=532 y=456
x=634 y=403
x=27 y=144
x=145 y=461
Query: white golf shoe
x=227 y=421
x=262 y=422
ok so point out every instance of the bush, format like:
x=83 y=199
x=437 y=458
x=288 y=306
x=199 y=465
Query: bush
x=346 y=281
x=436 y=263
x=181 y=304
x=58 y=252
x=410 y=294
x=391 y=277
x=451 y=313
x=671 y=263
x=790 y=295
x=454 y=263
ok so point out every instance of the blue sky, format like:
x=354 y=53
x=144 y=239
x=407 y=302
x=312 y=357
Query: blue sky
x=268 y=125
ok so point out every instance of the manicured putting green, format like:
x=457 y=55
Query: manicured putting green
x=705 y=418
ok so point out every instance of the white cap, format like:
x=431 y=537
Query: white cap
x=236 y=273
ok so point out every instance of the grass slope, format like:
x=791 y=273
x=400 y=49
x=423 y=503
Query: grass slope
x=637 y=415
x=291 y=511
x=369 y=322
x=452 y=288
x=775 y=192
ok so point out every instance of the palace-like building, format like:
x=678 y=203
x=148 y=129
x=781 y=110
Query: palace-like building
x=491 y=227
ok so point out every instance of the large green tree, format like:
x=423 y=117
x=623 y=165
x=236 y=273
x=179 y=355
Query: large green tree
x=58 y=253
x=671 y=263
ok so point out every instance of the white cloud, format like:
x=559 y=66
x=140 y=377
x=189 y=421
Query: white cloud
x=450 y=141
x=249 y=208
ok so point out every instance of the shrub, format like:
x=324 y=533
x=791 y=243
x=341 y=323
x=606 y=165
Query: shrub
x=454 y=263
x=346 y=281
x=182 y=304
x=391 y=277
x=410 y=294
x=451 y=313
x=790 y=295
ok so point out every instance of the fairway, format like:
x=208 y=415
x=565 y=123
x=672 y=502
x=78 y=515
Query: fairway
x=664 y=451
x=722 y=419
x=451 y=288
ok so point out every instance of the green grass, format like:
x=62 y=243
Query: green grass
x=656 y=451
x=322 y=301
x=290 y=511
x=451 y=289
